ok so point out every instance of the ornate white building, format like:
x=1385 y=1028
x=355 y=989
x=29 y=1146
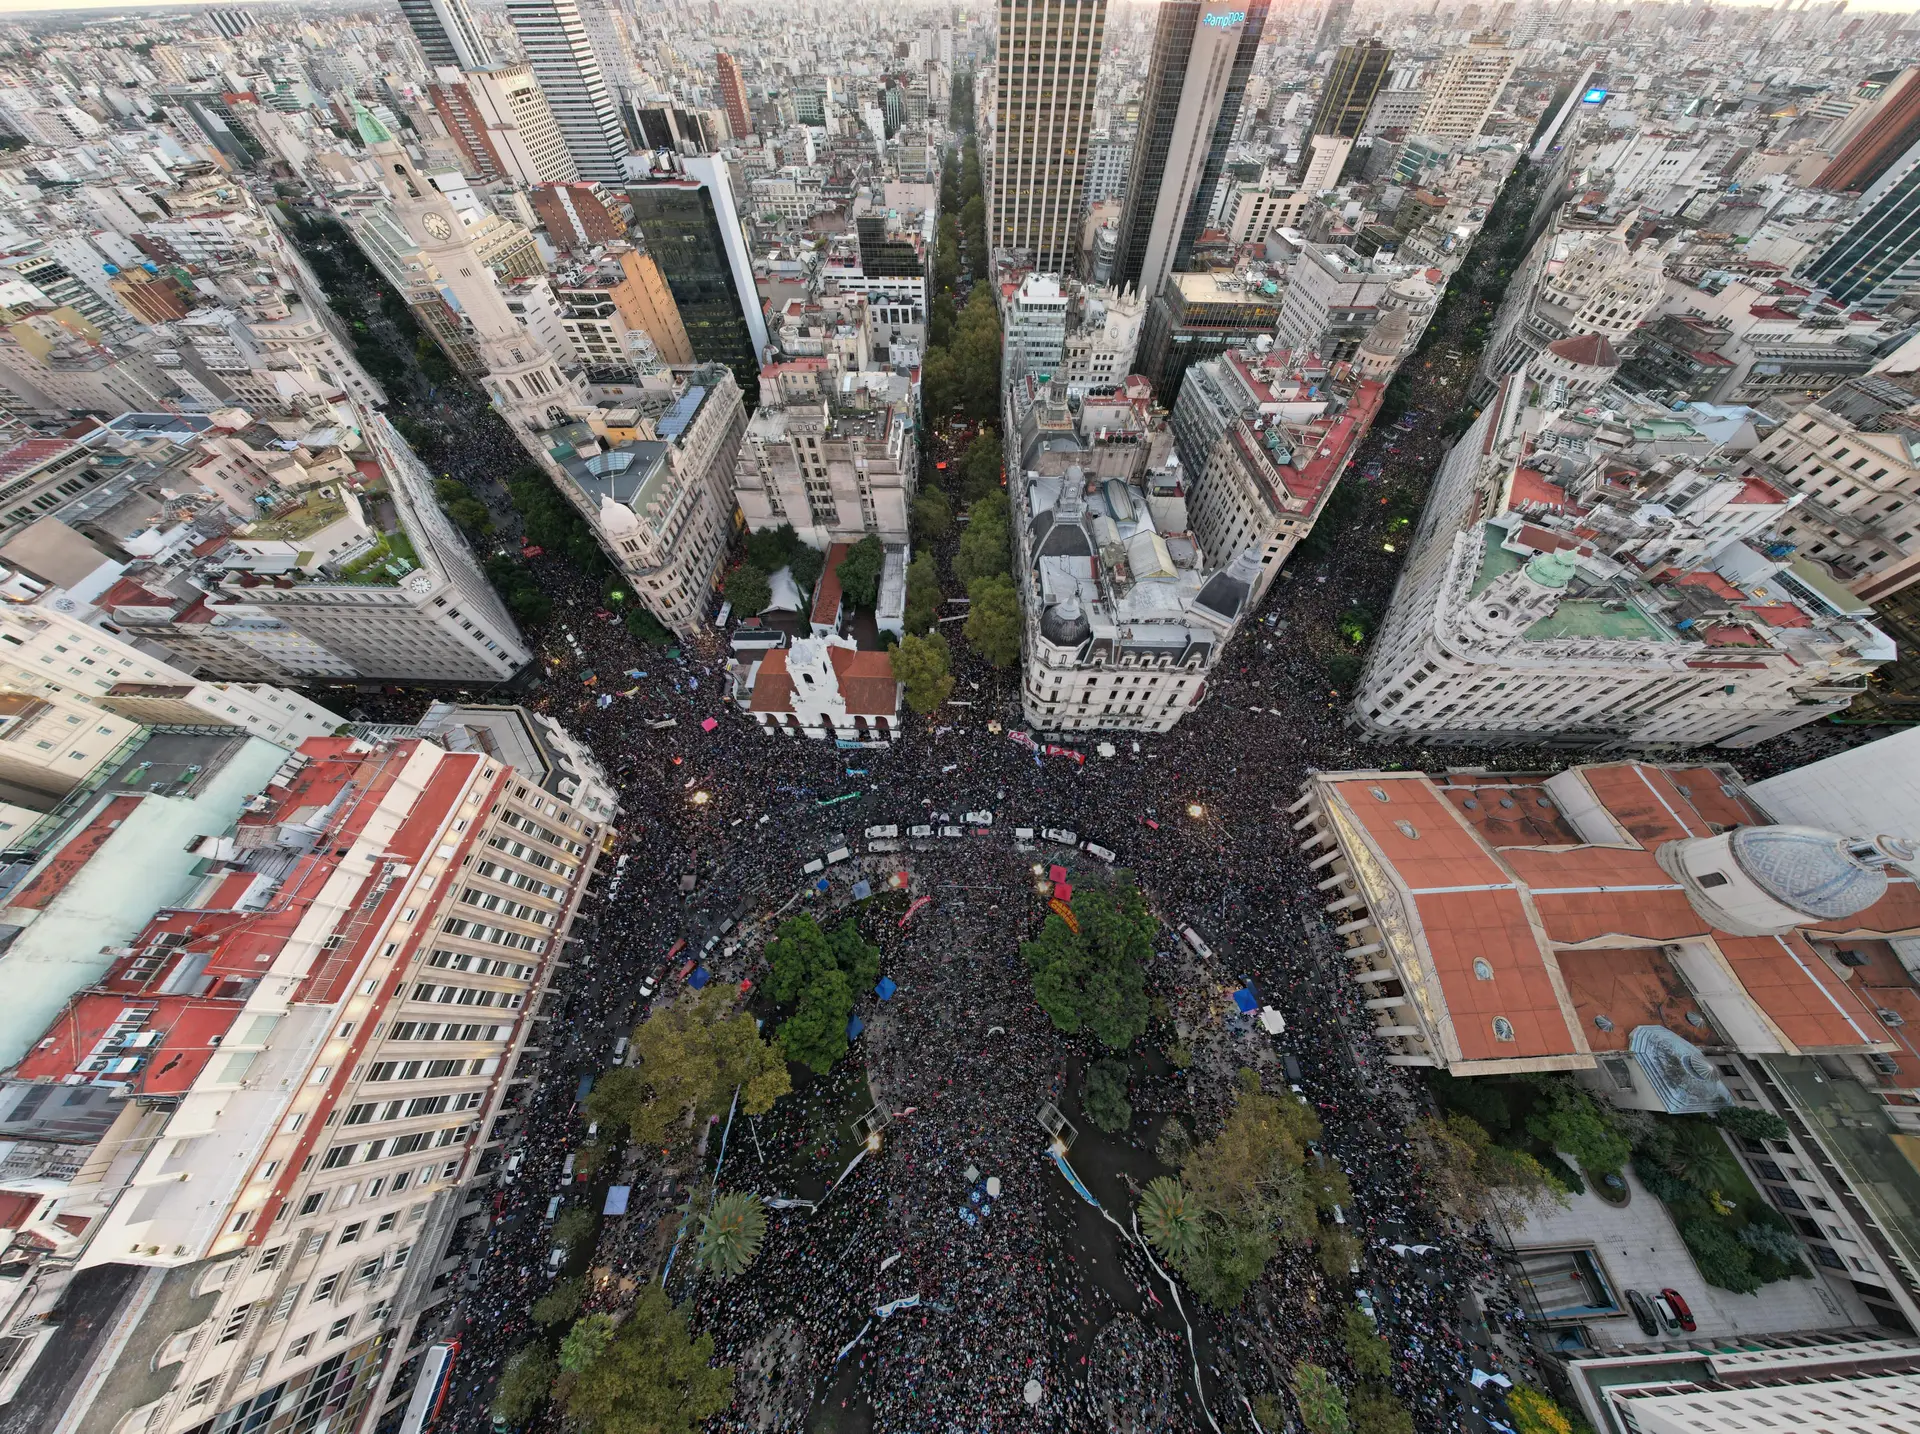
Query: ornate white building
x=1574 y=282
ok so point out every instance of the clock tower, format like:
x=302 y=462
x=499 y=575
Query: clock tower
x=526 y=385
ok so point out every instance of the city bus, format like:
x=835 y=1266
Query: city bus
x=430 y=1390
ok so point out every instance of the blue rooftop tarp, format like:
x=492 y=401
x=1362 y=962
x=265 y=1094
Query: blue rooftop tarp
x=854 y=1027
x=1246 y=1000
x=699 y=978
x=616 y=1200
x=885 y=989
x=820 y=885
x=862 y=890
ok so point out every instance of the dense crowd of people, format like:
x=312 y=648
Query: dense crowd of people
x=1030 y=1287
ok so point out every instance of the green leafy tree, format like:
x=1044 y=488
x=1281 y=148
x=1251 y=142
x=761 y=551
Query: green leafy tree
x=1464 y=1169
x=932 y=516
x=1094 y=978
x=983 y=549
x=819 y=971
x=730 y=1235
x=643 y=627
x=1369 y=1353
x=925 y=666
x=769 y=549
x=524 y=1384
x=980 y=468
x=1698 y=1156
x=1169 y=1219
x=859 y=572
x=748 y=590
x=1337 y=1251
x=1534 y=1413
x=1323 y=1407
x=652 y=1378
x=940 y=321
x=586 y=1341
x=690 y=1057
x=1771 y=1241
x=1105 y=1098
x=559 y=1304
x=1234 y=1250
x=576 y=1223
x=1569 y=1119
x=1720 y=1257
x=976 y=355
x=993 y=619
x=923 y=594
x=1750 y=1124
x=939 y=384
x=807 y=564
x=1375 y=1410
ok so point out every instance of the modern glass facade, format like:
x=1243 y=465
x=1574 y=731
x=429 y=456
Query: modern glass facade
x=682 y=233
x=1878 y=257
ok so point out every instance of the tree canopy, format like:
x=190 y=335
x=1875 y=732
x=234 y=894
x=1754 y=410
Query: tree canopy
x=932 y=515
x=822 y=972
x=691 y=1055
x=983 y=547
x=524 y=1383
x=749 y=590
x=1105 y=1097
x=980 y=467
x=923 y=594
x=859 y=572
x=1094 y=979
x=924 y=664
x=730 y=1235
x=993 y=619
x=651 y=1378
x=1465 y=1169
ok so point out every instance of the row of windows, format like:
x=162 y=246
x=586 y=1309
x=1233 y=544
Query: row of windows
x=479 y=965
x=468 y=996
x=493 y=935
x=506 y=906
x=365 y=1152
x=381 y=1071
x=375 y=1111
x=533 y=858
x=447 y=1031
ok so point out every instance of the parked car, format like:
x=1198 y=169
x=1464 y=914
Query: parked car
x=1681 y=1310
x=1644 y=1313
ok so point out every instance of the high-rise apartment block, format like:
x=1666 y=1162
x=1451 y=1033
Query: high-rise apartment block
x=1202 y=54
x=733 y=94
x=292 y=1067
x=500 y=120
x=447 y=33
x=1875 y=260
x=1046 y=72
x=1463 y=90
x=1887 y=128
x=1357 y=73
x=559 y=53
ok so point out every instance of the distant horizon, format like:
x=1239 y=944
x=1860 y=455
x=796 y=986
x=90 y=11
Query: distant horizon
x=67 y=7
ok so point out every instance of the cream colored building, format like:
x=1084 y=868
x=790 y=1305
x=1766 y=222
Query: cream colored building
x=50 y=744
x=1045 y=75
x=1463 y=90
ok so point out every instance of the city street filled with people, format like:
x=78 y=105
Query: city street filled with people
x=1032 y=1307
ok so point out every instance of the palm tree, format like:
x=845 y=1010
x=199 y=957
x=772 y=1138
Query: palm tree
x=1701 y=1158
x=730 y=1235
x=1170 y=1218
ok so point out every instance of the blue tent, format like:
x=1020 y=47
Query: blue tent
x=616 y=1200
x=885 y=989
x=862 y=890
x=1246 y=1000
x=820 y=885
x=699 y=978
x=854 y=1027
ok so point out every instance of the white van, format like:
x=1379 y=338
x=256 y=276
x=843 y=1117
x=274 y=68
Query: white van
x=553 y=1207
x=566 y=1169
x=620 y=1050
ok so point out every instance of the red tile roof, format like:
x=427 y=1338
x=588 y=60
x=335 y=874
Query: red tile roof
x=1810 y=1005
x=1754 y=491
x=1531 y=492
x=867 y=683
x=1592 y=350
x=1783 y=614
x=52 y=879
x=826 y=602
x=772 y=687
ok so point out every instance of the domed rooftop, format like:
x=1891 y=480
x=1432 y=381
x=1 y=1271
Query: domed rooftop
x=1809 y=870
x=1065 y=624
x=1551 y=570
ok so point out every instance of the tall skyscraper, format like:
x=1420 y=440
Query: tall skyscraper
x=1466 y=90
x=1356 y=76
x=1890 y=130
x=447 y=33
x=562 y=59
x=1333 y=24
x=693 y=232
x=1049 y=67
x=1202 y=54
x=1876 y=258
x=733 y=94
